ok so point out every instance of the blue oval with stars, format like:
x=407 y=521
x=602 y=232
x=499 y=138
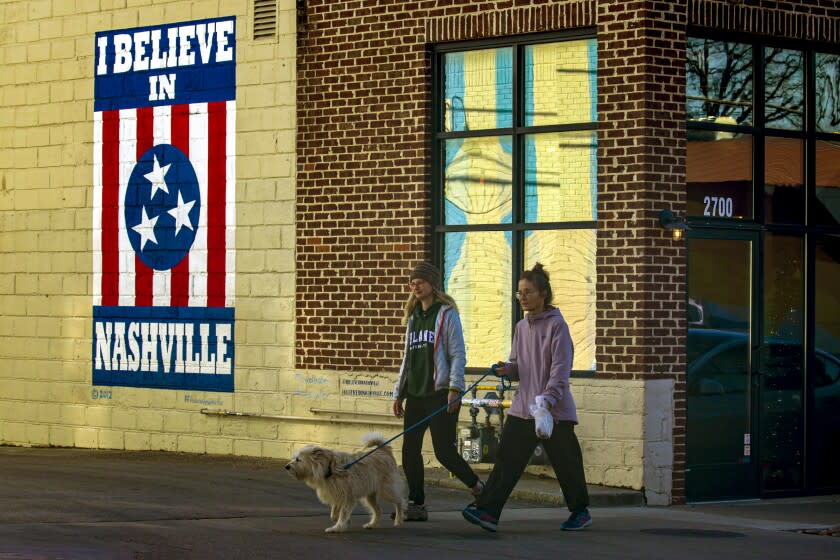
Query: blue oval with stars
x=162 y=206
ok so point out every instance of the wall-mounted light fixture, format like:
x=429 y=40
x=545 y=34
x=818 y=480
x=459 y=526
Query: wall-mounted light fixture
x=669 y=221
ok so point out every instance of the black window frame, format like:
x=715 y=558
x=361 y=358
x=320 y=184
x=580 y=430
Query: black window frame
x=518 y=131
x=759 y=132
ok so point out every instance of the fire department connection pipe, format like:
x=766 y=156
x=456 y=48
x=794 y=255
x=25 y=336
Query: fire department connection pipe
x=492 y=403
x=334 y=420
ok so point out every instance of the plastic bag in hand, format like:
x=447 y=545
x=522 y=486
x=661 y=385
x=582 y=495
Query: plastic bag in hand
x=543 y=421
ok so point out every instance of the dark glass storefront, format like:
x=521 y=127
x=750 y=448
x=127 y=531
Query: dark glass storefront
x=763 y=186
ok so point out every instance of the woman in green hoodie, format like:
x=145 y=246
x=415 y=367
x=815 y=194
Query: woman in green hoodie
x=431 y=376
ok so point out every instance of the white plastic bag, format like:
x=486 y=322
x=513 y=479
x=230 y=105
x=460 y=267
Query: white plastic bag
x=543 y=421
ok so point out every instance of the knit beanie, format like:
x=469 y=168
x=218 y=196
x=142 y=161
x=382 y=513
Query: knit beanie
x=428 y=272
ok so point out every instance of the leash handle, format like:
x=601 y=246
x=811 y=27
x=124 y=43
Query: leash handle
x=505 y=379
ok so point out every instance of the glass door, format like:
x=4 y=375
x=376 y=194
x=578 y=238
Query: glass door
x=824 y=390
x=720 y=384
x=781 y=366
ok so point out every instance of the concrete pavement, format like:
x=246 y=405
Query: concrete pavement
x=92 y=504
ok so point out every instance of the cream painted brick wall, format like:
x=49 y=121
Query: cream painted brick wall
x=61 y=436
x=611 y=431
x=659 y=441
x=247 y=447
x=137 y=441
x=218 y=446
x=46 y=167
x=46 y=158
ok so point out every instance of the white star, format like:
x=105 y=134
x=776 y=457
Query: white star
x=146 y=229
x=181 y=213
x=156 y=177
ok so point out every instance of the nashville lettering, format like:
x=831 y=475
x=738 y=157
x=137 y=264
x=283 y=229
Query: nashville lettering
x=162 y=347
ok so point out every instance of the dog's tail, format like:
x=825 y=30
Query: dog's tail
x=373 y=439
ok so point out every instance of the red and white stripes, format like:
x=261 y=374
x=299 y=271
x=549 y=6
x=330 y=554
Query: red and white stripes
x=205 y=133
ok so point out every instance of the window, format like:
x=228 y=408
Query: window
x=754 y=131
x=515 y=179
x=719 y=109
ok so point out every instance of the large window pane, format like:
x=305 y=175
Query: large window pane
x=719 y=176
x=784 y=176
x=478 y=91
x=477 y=273
x=827 y=209
x=719 y=78
x=783 y=89
x=501 y=170
x=569 y=258
x=560 y=82
x=561 y=176
x=478 y=180
x=825 y=450
x=781 y=364
x=713 y=304
x=828 y=92
x=717 y=384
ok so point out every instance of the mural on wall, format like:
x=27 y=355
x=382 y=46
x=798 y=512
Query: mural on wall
x=560 y=186
x=163 y=210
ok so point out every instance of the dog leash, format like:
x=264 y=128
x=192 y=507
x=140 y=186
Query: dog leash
x=505 y=384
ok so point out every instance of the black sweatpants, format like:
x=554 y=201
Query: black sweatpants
x=444 y=441
x=517 y=444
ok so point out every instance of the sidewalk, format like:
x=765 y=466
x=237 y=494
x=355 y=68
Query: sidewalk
x=85 y=504
x=817 y=515
x=543 y=490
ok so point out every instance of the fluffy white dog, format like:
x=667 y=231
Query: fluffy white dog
x=374 y=477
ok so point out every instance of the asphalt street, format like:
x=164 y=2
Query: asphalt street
x=88 y=504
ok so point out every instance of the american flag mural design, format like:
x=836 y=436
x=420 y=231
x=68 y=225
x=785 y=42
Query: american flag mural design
x=163 y=209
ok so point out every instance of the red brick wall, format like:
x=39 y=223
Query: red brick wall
x=363 y=172
x=641 y=171
x=364 y=94
x=811 y=20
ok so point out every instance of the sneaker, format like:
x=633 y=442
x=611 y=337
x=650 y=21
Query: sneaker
x=481 y=518
x=577 y=521
x=416 y=512
x=478 y=492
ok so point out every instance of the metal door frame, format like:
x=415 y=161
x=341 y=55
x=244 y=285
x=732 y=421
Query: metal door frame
x=756 y=271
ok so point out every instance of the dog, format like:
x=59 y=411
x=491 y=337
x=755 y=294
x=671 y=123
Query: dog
x=374 y=477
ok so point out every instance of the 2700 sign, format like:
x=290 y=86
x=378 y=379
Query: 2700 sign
x=717 y=206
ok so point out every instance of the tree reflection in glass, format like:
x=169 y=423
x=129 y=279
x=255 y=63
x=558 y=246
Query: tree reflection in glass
x=828 y=92
x=719 y=81
x=783 y=89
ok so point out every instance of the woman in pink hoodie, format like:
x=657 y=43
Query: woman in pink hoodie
x=541 y=360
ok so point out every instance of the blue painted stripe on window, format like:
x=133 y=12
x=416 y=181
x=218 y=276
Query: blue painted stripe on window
x=592 y=56
x=454 y=90
x=531 y=201
x=454 y=241
x=504 y=94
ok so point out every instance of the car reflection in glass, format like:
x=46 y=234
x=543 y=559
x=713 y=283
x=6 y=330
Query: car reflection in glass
x=719 y=398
